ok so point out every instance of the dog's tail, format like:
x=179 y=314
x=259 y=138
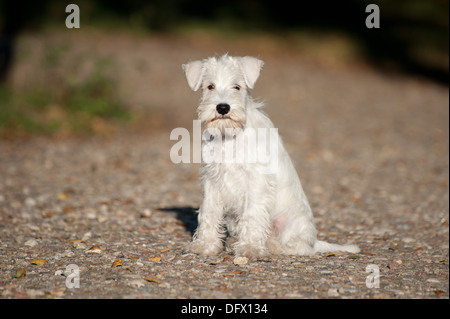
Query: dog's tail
x=322 y=246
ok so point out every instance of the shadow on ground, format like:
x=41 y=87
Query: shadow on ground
x=186 y=214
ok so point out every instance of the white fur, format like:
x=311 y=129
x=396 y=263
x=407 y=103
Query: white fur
x=266 y=213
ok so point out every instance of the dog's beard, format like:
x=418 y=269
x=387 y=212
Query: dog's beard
x=223 y=123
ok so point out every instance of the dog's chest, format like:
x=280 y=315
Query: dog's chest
x=229 y=171
x=230 y=178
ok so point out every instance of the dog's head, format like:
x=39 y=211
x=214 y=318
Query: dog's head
x=225 y=82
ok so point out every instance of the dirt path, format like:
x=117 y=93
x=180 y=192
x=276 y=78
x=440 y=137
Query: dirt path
x=372 y=154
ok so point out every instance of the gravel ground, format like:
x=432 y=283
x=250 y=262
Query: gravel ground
x=371 y=150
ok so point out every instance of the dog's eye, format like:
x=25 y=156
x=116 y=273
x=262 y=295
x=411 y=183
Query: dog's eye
x=211 y=87
x=237 y=87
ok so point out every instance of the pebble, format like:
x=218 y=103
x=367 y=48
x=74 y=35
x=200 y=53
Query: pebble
x=433 y=280
x=147 y=213
x=102 y=219
x=91 y=213
x=68 y=253
x=59 y=272
x=240 y=260
x=326 y=272
x=323 y=287
x=333 y=292
x=31 y=243
x=87 y=236
x=137 y=283
x=79 y=245
x=30 y=202
x=33 y=293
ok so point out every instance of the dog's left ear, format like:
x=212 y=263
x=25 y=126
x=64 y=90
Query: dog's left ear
x=194 y=73
x=250 y=68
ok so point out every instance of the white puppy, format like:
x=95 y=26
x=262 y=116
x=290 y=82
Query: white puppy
x=265 y=209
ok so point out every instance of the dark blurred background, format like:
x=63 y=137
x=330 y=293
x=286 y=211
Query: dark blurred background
x=413 y=38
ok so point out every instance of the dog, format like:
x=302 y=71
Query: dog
x=266 y=211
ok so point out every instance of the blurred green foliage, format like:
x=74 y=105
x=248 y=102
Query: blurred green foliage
x=71 y=108
x=95 y=97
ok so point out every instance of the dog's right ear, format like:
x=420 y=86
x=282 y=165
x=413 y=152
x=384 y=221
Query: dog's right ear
x=194 y=73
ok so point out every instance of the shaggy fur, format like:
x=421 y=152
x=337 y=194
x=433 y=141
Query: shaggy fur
x=265 y=212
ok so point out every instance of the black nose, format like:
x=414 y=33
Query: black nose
x=223 y=108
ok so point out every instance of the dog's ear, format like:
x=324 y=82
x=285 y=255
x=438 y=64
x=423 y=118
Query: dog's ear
x=250 y=68
x=194 y=73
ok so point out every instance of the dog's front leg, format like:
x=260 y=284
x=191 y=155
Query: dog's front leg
x=210 y=231
x=253 y=227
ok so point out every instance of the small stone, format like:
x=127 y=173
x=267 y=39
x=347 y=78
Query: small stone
x=67 y=253
x=146 y=213
x=30 y=202
x=91 y=213
x=240 y=260
x=137 y=283
x=323 y=287
x=31 y=243
x=102 y=219
x=33 y=293
x=104 y=209
x=87 y=236
x=333 y=292
x=59 y=272
x=326 y=272
x=433 y=280
x=79 y=245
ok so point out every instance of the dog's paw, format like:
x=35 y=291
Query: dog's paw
x=205 y=248
x=249 y=251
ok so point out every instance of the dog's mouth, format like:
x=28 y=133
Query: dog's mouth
x=221 y=117
x=223 y=121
